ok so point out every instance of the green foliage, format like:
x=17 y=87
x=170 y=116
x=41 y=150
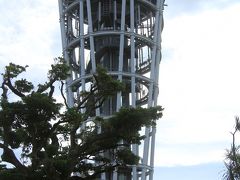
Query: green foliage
x=40 y=107
x=24 y=86
x=56 y=143
x=71 y=115
x=106 y=85
x=11 y=174
x=13 y=70
x=59 y=70
x=127 y=157
x=127 y=123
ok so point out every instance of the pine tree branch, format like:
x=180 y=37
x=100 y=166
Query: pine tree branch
x=8 y=83
x=51 y=91
x=9 y=156
x=4 y=91
x=234 y=149
x=64 y=98
x=92 y=90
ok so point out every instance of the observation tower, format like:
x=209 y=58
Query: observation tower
x=123 y=36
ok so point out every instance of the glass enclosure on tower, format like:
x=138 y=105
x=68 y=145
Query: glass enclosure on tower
x=123 y=36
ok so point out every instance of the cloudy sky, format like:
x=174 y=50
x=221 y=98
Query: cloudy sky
x=199 y=75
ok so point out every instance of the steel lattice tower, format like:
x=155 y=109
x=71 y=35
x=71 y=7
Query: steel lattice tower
x=124 y=36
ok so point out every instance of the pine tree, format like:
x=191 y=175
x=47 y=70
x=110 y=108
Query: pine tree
x=44 y=139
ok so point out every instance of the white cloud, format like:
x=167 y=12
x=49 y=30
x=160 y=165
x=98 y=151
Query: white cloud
x=188 y=155
x=28 y=31
x=199 y=84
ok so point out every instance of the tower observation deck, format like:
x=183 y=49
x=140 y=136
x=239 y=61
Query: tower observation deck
x=123 y=36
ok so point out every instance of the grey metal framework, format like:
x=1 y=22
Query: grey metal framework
x=124 y=36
